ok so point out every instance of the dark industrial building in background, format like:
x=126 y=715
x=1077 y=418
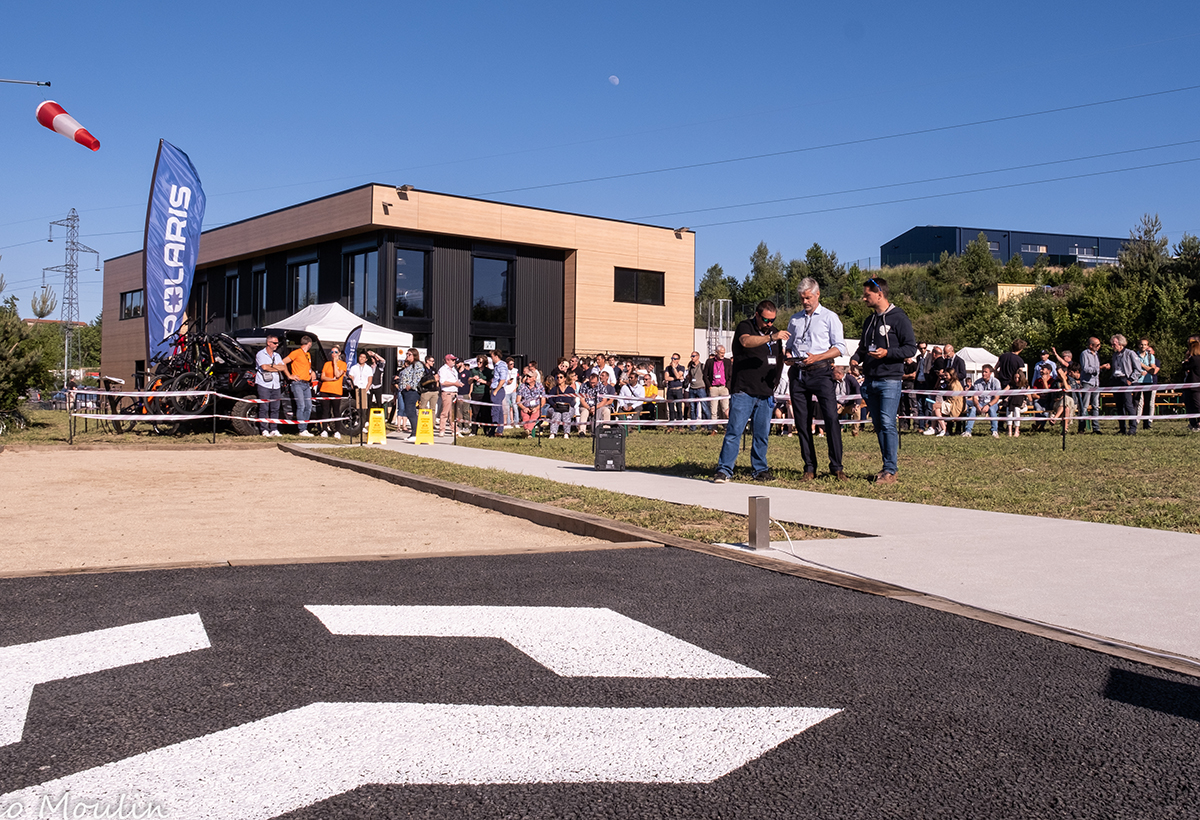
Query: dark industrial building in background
x=924 y=245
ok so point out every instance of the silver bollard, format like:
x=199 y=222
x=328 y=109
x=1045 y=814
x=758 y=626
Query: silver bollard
x=760 y=522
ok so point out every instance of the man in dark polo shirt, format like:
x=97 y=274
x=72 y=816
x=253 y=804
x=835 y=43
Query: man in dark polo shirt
x=757 y=364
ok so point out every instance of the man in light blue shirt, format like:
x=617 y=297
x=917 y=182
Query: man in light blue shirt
x=496 y=391
x=986 y=400
x=816 y=340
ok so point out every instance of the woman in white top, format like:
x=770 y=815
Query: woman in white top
x=783 y=404
x=360 y=376
x=510 y=394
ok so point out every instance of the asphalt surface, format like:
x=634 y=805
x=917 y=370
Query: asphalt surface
x=936 y=716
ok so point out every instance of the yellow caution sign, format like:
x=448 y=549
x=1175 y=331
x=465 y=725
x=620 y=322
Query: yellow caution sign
x=424 y=427
x=376 y=430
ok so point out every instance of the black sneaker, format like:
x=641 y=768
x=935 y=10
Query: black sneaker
x=720 y=478
x=765 y=475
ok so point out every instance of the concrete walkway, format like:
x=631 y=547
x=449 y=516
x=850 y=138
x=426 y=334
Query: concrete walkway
x=1129 y=585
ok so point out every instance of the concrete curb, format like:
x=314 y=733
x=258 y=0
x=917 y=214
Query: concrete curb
x=592 y=525
x=321 y=559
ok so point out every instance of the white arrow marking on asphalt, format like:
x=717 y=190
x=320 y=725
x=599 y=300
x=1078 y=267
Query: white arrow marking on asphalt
x=570 y=641
x=25 y=665
x=297 y=758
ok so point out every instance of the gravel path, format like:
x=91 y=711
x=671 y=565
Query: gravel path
x=68 y=509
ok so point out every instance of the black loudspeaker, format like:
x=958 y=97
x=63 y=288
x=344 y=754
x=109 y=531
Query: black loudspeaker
x=610 y=447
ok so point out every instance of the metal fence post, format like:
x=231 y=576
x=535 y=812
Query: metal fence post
x=760 y=522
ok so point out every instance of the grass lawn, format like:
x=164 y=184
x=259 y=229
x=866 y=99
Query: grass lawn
x=1149 y=480
x=1145 y=481
x=697 y=523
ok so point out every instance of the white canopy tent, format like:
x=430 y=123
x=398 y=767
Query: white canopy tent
x=332 y=323
x=975 y=358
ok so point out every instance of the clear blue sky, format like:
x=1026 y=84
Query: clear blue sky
x=280 y=103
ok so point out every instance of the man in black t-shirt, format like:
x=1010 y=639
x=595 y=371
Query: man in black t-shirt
x=757 y=363
x=1009 y=363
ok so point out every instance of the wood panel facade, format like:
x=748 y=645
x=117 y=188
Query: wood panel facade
x=561 y=285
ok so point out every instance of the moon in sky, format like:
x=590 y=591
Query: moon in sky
x=614 y=79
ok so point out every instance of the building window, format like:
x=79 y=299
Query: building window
x=198 y=315
x=490 y=280
x=1033 y=249
x=304 y=284
x=642 y=287
x=410 y=283
x=258 y=296
x=232 y=296
x=362 y=283
x=133 y=304
x=994 y=247
x=1078 y=251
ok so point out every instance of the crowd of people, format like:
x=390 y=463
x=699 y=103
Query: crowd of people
x=803 y=392
x=489 y=394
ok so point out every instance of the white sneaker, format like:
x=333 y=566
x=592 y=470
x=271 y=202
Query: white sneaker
x=276 y=433
x=566 y=435
x=929 y=431
x=338 y=436
x=324 y=434
x=306 y=434
x=551 y=435
x=966 y=435
x=266 y=432
x=995 y=435
x=941 y=433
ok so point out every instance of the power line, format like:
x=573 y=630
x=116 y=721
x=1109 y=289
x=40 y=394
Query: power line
x=845 y=143
x=949 y=193
x=917 y=181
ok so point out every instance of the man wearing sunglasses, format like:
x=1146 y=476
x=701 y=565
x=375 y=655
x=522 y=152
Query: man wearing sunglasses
x=757 y=364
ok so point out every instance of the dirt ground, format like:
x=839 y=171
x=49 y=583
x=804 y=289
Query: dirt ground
x=68 y=509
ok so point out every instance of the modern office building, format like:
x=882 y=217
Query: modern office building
x=462 y=275
x=922 y=245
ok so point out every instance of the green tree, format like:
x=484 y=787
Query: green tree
x=766 y=278
x=1014 y=272
x=88 y=340
x=713 y=285
x=979 y=267
x=1144 y=255
x=43 y=304
x=1187 y=257
x=20 y=362
x=824 y=268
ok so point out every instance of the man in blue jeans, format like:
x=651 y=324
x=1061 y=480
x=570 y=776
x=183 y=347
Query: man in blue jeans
x=757 y=363
x=496 y=391
x=887 y=340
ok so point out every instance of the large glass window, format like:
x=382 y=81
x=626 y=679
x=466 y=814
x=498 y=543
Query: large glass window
x=133 y=304
x=642 y=287
x=198 y=315
x=362 y=280
x=489 y=289
x=410 y=283
x=232 y=298
x=304 y=284
x=258 y=296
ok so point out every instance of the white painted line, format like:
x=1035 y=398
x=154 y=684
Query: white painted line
x=25 y=665
x=570 y=641
x=297 y=758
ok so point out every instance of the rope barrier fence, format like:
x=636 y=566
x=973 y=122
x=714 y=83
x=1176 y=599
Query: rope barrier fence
x=621 y=409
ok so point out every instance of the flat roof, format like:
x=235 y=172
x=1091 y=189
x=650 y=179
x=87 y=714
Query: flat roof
x=420 y=191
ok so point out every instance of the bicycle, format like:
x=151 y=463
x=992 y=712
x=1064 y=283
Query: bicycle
x=14 y=420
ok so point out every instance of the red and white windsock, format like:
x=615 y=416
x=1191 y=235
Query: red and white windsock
x=52 y=115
